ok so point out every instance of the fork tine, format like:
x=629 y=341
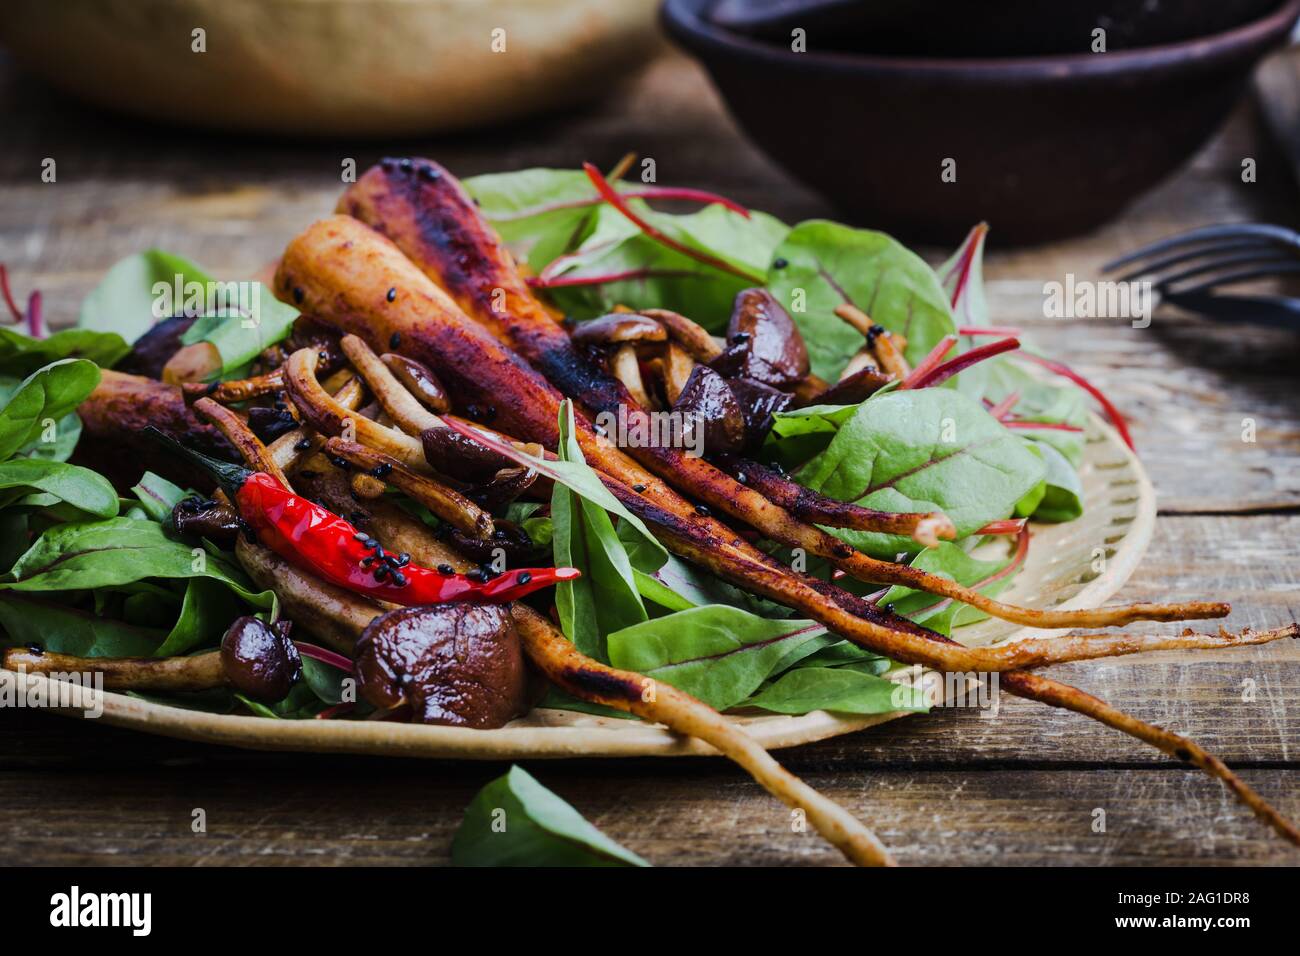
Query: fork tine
x=1225 y=262
x=1239 y=230
x=1288 y=267
x=1154 y=268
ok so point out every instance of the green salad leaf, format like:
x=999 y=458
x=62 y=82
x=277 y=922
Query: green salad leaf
x=515 y=821
x=46 y=395
x=86 y=490
x=20 y=355
x=606 y=597
x=823 y=264
x=929 y=449
x=949 y=561
x=125 y=300
x=66 y=630
x=717 y=653
x=840 y=689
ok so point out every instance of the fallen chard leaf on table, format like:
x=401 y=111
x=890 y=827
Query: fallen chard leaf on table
x=515 y=821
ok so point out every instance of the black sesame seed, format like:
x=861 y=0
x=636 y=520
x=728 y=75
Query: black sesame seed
x=403 y=559
x=740 y=477
x=297 y=294
x=446 y=569
x=638 y=488
x=524 y=577
x=302 y=444
x=780 y=263
x=381 y=470
x=338 y=462
x=371 y=543
x=405 y=164
x=875 y=332
x=381 y=572
x=392 y=294
x=429 y=173
x=212 y=388
x=399 y=580
x=703 y=511
x=367 y=562
x=475 y=574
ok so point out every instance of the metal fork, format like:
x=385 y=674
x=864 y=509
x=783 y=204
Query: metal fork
x=1215 y=256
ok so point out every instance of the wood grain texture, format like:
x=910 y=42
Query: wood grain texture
x=952 y=787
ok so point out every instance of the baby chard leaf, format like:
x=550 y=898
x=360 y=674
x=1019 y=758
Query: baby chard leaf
x=930 y=449
x=515 y=821
x=823 y=264
x=717 y=653
x=841 y=689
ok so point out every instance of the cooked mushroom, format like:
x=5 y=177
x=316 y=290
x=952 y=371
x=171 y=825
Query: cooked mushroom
x=691 y=336
x=763 y=343
x=205 y=518
x=758 y=404
x=257 y=659
x=152 y=351
x=619 y=328
x=458 y=664
x=851 y=389
x=712 y=407
x=450 y=453
x=419 y=380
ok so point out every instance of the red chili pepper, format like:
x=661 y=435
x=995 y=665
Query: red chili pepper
x=317 y=540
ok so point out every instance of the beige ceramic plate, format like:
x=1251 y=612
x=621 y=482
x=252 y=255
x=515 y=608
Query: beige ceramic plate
x=1070 y=565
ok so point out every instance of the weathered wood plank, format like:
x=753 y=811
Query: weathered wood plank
x=675 y=814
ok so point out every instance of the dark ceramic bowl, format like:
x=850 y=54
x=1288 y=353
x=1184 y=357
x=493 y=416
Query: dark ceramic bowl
x=997 y=28
x=1044 y=147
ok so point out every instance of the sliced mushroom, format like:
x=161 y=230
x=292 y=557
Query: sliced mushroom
x=419 y=381
x=691 y=336
x=450 y=453
x=626 y=367
x=758 y=403
x=153 y=350
x=851 y=389
x=711 y=407
x=763 y=342
x=456 y=664
x=677 y=364
x=619 y=328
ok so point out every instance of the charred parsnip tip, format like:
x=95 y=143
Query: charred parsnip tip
x=248 y=445
x=925 y=527
x=446 y=503
x=257 y=659
x=329 y=417
x=564 y=665
x=293 y=447
x=402 y=407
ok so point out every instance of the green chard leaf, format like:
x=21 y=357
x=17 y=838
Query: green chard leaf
x=20 y=355
x=929 y=449
x=515 y=821
x=605 y=598
x=1062 y=498
x=827 y=264
x=65 y=630
x=99 y=554
x=126 y=299
x=240 y=338
x=158 y=496
x=840 y=689
x=48 y=394
x=716 y=653
x=83 y=489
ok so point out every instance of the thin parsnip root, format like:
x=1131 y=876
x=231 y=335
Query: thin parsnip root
x=235 y=390
x=566 y=667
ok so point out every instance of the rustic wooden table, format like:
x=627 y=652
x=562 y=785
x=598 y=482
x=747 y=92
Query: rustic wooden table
x=940 y=789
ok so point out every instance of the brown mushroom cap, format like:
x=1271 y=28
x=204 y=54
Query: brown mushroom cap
x=450 y=453
x=763 y=342
x=709 y=401
x=619 y=327
x=457 y=664
x=259 y=659
x=758 y=404
x=419 y=381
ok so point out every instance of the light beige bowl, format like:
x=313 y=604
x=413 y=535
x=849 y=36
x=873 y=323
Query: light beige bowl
x=331 y=67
